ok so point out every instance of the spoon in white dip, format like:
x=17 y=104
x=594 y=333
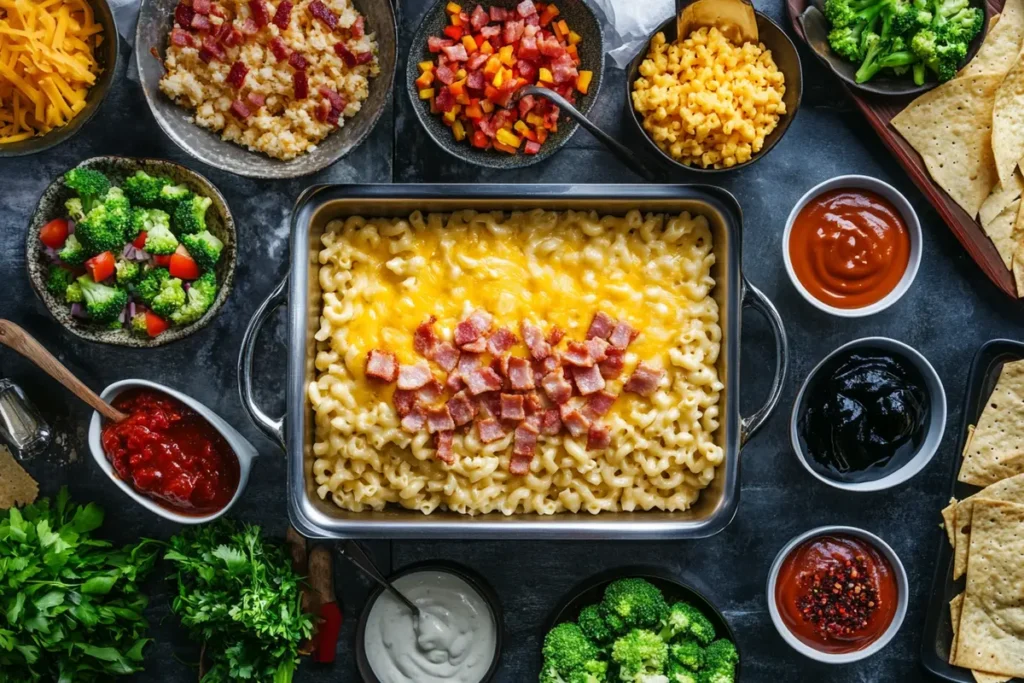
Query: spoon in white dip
x=355 y=554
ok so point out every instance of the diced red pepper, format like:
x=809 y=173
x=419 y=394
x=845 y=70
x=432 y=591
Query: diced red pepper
x=358 y=27
x=101 y=266
x=182 y=264
x=279 y=49
x=297 y=61
x=327 y=632
x=239 y=109
x=201 y=6
x=454 y=32
x=140 y=241
x=183 y=14
x=283 y=15
x=162 y=260
x=236 y=77
x=320 y=11
x=480 y=140
x=301 y=83
x=155 y=324
x=260 y=13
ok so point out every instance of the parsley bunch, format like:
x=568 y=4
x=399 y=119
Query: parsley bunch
x=70 y=604
x=239 y=595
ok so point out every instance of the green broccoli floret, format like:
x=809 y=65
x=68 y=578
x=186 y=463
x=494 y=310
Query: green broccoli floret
x=592 y=671
x=143 y=189
x=677 y=673
x=842 y=13
x=688 y=653
x=942 y=58
x=139 y=325
x=127 y=271
x=144 y=220
x=74 y=295
x=961 y=27
x=204 y=247
x=171 y=195
x=58 y=280
x=639 y=652
x=104 y=227
x=118 y=206
x=160 y=241
x=201 y=296
x=636 y=602
x=169 y=299
x=565 y=647
x=88 y=184
x=875 y=47
x=73 y=253
x=947 y=8
x=549 y=674
x=686 y=620
x=150 y=285
x=76 y=211
x=104 y=304
x=190 y=215
x=720 y=659
x=845 y=42
x=594 y=625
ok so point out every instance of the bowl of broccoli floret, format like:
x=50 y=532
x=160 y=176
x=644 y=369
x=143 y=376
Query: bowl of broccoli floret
x=131 y=252
x=638 y=626
x=893 y=47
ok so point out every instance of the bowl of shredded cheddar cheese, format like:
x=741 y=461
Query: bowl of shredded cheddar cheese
x=57 y=62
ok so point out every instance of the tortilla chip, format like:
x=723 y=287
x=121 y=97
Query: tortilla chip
x=991 y=634
x=949 y=520
x=982 y=677
x=1002 y=43
x=996 y=450
x=17 y=487
x=955 y=608
x=1018 y=269
x=1000 y=231
x=1008 y=122
x=951 y=128
x=1009 y=490
x=1001 y=197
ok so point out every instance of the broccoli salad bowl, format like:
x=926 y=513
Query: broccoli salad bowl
x=640 y=625
x=132 y=252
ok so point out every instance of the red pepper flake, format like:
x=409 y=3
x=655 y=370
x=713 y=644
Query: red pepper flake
x=298 y=61
x=283 y=14
x=839 y=600
x=279 y=49
x=236 y=77
x=259 y=11
x=183 y=14
x=239 y=109
x=301 y=82
x=320 y=11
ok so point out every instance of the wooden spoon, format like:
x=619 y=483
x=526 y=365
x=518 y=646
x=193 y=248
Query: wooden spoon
x=21 y=341
x=734 y=18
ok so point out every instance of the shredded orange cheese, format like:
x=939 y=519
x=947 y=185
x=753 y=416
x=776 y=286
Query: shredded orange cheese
x=47 y=64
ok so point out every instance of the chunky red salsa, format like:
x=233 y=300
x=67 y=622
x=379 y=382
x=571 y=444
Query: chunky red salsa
x=170 y=453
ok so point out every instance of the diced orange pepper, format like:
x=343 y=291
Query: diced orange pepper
x=525 y=131
x=504 y=148
x=535 y=120
x=454 y=32
x=458 y=87
x=426 y=66
x=487 y=106
x=492 y=66
x=456 y=20
x=459 y=131
x=547 y=14
x=486 y=48
x=575 y=38
x=563 y=28
x=507 y=55
x=544 y=75
x=426 y=93
x=507 y=137
x=583 y=82
x=425 y=79
x=434 y=109
x=491 y=93
x=462 y=99
x=453 y=8
x=571 y=50
x=474 y=111
x=542 y=135
x=557 y=30
x=470 y=44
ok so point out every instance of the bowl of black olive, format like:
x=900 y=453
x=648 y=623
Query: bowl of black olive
x=869 y=416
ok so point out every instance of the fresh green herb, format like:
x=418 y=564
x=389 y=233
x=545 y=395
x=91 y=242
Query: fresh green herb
x=70 y=604
x=238 y=594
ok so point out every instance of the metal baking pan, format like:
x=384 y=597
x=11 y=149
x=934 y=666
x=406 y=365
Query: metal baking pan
x=938 y=629
x=301 y=293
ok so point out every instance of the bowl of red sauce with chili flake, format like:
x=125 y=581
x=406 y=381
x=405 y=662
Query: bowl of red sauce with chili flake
x=173 y=455
x=837 y=594
x=852 y=246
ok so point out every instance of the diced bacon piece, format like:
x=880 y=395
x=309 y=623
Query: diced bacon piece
x=233 y=38
x=534 y=339
x=481 y=380
x=512 y=407
x=413 y=376
x=435 y=44
x=613 y=364
x=526 y=8
x=446 y=355
x=201 y=6
x=358 y=27
x=180 y=38
x=520 y=374
x=236 y=77
x=443 y=443
x=346 y=55
x=431 y=392
x=526 y=103
x=599 y=404
x=574 y=420
x=644 y=380
x=183 y=15
x=439 y=420
x=382 y=365
x=415 y=420
x=364 y=57
x=564 y=74
x=525 y=441
x=601 y=326
x=477 y=62
x=550 y=364
x=550 y=47
x=622 y=335
x=330 y=114
x=206 y=55
x=461 y=408
x=532 y=20
x=468 y=362
x=532 y=147
x=239 y=109
x=476 y=81
x=519 y=465
x=404 y=402
x=478 y=346
x=499 y=14
x=456 y=53
x=320 y=11
x=301 y=83
x=424 y=338
x=533 y=422
x=445 y=75
x=489 y=404
x=500 y=364
x=249 y=27
x=578 y=354
x=551 y=118
x=476 y=325
x=489 y=32
x=597 y=348
x=598 y=438
x=588 y=380
x=550 y=422
x=217 y=11
x=556 y=386
x=338 y=102
x=532 y=403
x=454 y=383
x=513 y=31
x=258 y=11
x=201 y=22
x=297 y=61
x=530 y=31
x=490 y=430
x=555 y=335
x=479 y=18
x=279 y=49
x=284 y=14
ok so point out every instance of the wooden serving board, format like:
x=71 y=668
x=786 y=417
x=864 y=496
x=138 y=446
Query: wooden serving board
x=879 y=111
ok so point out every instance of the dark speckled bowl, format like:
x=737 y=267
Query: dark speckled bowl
x=51 y=206
x=576 y=14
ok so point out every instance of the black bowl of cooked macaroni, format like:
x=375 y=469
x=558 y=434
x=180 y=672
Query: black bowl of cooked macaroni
x=747 y=146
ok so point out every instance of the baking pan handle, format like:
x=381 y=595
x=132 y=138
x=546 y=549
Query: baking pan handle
x=754 y=298
x=271 y=427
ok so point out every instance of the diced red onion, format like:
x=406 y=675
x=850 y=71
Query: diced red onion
x=71 y=227
x=131 y=309
x=186 y=285
x=52 y=254
x=78 y=311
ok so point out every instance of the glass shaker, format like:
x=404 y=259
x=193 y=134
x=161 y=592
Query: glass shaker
x=21 y=426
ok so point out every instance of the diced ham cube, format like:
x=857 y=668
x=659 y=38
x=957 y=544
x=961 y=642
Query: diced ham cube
x=320 y=11
x=478 y=346
x=479 y=18
x=550 y=422
x=431 y=392
x=210 y=44
x=534 y=338
x=424 y=338
x=532 y=20
x=413 y=376
x=446 y=356
x=439 y=420
x=461 y=408
x=622 y=335
x=415 y=420
x=489 y=404
x=476 y=325
x=297 y=61
x=456 y=53
x=644 y=380
x=239 y=109
x=482 y=379
x=520 y=374
x=330 y=114
x=599 y=404
x=435 y=44
x=598 y=438
x=201 y=6
x=382 y=365
x=490 y=32
x=443 y=443
x=236 y=77
x=532 y=147
x=183 y=15
x=498 y=14
x=476 y=82
x=259 y=12
x=358 y=27
x=578 y=354
x=550 y=47
x=556 y=386
x=526 y=8
x=601 y=326
x=513 y=31
x=201 y=22
x=588 y=380
x=404 y=402
x=206 y=55
x=597 y=348
x=512 y=407
x=284 y=14
x=574 y=420
x=490 y=430
x=613 y=364
x=279 y=49
x=301 y=83
x=364 y=57
x=526 y=103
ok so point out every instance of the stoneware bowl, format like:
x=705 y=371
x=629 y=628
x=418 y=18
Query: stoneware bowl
x=580 y=18
x=244 y=451
x=787 y=59
x=902 y=587
x=156 y=17
x=106 y=57
x=905 y=209
x=51 y=206
x=936 y=415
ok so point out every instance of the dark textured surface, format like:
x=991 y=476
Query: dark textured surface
x=951 y=309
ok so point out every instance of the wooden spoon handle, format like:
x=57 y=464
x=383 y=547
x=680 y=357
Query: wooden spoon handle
x=21 y=341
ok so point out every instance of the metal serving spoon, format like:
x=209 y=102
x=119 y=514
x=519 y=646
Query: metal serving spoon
x=734 y=18
x=357 y=556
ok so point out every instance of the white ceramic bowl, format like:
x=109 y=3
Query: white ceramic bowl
x=909 y=217
x=936 y=417
x=242 y=448
x=901 y=589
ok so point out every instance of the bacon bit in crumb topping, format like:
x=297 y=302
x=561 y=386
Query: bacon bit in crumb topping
x=259 y=12
x=320 y=11
x=283 y=14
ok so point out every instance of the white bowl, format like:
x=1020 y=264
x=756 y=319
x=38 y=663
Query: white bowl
x=909 y=217
x=936 y=416
x=244 y=451
x=902 y=591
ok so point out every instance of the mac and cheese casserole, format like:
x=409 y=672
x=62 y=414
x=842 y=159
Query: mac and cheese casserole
x=525 y=362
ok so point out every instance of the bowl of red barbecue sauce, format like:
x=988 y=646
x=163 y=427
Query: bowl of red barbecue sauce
x=173 y=455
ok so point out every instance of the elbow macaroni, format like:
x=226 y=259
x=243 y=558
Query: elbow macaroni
x=382 y=277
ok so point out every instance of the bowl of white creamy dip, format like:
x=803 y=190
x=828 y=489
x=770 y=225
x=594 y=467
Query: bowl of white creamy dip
x=457 y=639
